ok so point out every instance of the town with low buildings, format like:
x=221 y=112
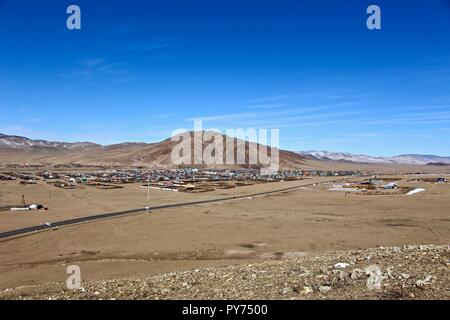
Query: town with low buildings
x=188 y=179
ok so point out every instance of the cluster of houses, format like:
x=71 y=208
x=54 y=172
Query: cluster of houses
x=178 y=175
x=185 y=179
x=439 y=180
x=370 y=186
x=25 y=178
x=379 y=183
x=6 y=177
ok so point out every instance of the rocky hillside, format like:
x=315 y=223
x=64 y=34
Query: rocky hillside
x=409 y=272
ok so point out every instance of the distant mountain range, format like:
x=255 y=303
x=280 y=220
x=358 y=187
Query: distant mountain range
x=17 y=142
x=410 y=159
x=21 y=150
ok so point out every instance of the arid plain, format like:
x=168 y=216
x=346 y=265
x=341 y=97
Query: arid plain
x=307 y=220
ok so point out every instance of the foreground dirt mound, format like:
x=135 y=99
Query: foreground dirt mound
x=410 y=272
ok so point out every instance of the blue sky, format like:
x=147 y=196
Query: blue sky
x=140 y=69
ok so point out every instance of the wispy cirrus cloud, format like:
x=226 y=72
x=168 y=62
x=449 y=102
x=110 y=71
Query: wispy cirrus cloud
x=307 y=95
x=267 y=106
x=413 y=118
x=286 y=118
x=98 y=69
x=224 y=117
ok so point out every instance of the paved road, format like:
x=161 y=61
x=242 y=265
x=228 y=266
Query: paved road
x=19 y=232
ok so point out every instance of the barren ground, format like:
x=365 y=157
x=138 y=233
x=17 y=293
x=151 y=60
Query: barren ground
x=408 y=272
x=286 y=225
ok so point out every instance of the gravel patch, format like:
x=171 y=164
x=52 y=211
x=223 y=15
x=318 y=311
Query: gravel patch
x=409 y=272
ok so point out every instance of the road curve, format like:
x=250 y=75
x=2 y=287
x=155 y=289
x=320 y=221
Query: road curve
x=42 y=227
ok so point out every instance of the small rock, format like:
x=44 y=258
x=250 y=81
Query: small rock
x=307 y=290
x=423 y=283
x=358 y=274
x=341 y=265
x=343 y=276
x=324 y=289
x=420 y=284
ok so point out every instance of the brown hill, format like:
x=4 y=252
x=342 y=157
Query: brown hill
x=21 y=150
